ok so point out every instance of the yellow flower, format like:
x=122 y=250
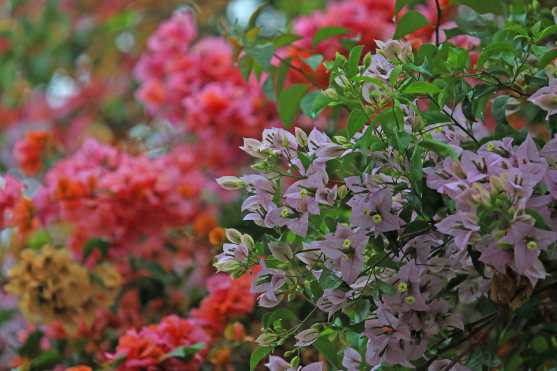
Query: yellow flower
x=53 y=287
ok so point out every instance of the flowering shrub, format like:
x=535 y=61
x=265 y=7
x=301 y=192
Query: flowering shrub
x=423 y=234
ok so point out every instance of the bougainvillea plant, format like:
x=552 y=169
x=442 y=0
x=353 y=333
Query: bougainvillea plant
x=422 y=234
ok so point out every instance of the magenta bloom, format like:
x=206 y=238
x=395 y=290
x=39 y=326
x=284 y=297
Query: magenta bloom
x=546 y=98
x=373 y=212
x=529 y=242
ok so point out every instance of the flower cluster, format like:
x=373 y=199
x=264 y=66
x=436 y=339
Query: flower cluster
x=32 y=150
x=107 y=193
x=46 y=283
x=360 y=234
x=150 y=347
x=197 y=86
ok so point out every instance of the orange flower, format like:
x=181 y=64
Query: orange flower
x=204 y=223
x=216 y=236
x=79 y=368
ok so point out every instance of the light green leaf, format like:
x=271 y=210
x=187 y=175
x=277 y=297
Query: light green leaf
x=314 y=61
x=422 y=88
x=186 y=352
x=327 y=33
x=289 y=103
x=439 y=147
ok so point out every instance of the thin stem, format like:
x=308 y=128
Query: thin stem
x=438 y=22
x=297 y=69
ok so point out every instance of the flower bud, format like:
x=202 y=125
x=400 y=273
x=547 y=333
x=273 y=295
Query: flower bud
x=340 y=139
x=330 y=93
x=394 y=50
x=301 y=137
x=227 y=265
x=231 y=183
x=266 y=339
x=342 y=192
x=295 y=362
x=281 y=251
x=248 y=241
x=252 y=147
x=233 y=235
x=307 y=337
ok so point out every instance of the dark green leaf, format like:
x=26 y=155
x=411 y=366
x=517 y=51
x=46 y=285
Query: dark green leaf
x=46 y=360
x=547 y=58
x=257 y=356
x=329 y=280
x=31 y=347
x=95 y=244
x=356 y=121
x=288 y=104
x=484 y=6
x=499 y=107
x=410 y=22
x=328 y=349
x=326 y=33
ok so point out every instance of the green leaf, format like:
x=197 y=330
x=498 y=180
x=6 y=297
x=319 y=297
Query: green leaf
x=38 y=239
x=547 y=58
x=329 y=280
x=356 y=121
x=95 y=244
x=358 y=311
x=6 y=315
x=416 y=170
x=495 y=49
x=246 y=65
x=328 y=349
x=540 y=344
x=263 y=54
x=441 y=148
x=257 y=356
x=285 y=39
x=484 y=6
x=498 y=108
x=410 y=22
x=546 y=32
x=289 y=103
x=185 y=353
x=422 y=88
x=46 y=360
x=256 y=13
x=31 y=347
x=269 y=88
x=280 y=314
x=314 y=61
x=402 y=3
x=327 y=33
x=354 y=60
x=308 y=102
